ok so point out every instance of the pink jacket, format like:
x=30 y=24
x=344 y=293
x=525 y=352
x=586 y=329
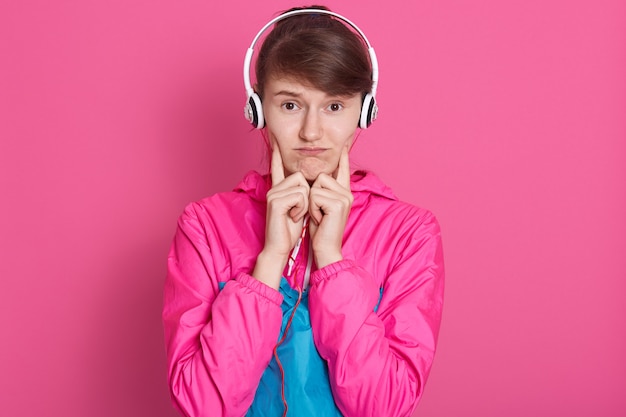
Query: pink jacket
x=220 y=342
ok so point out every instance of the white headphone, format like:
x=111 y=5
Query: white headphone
x=253 y=110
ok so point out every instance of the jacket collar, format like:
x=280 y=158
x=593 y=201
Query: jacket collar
x=362 y=183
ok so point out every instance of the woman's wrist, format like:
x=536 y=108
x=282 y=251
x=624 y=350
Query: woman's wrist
x=322 y=259
x=269 y=269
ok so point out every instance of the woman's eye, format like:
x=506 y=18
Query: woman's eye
x=289 y=106
x=335 y=107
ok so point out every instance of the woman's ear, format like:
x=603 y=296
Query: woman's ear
x=255 y=87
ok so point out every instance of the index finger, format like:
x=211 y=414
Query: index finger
x=277 y=170
x=343 y=171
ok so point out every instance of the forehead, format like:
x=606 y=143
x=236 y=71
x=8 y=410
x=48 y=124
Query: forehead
x=297 y=87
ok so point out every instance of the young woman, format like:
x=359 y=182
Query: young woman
x=311 y=290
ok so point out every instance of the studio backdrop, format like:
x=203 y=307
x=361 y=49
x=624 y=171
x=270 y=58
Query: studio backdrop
x=505 y=118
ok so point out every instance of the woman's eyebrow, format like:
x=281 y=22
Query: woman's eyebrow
x=287 y=93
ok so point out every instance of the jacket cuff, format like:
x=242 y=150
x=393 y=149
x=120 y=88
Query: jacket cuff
x=258 y=287
x=331 y=270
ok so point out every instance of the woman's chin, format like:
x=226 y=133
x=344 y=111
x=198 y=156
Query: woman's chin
x=311 y=168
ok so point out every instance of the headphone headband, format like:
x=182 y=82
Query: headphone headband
x=253 y=111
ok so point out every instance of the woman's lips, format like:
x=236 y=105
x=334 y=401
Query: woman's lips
x=310 y=151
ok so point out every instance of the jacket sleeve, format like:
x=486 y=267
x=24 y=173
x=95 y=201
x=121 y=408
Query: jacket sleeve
x=218 y=342
x=379 y=361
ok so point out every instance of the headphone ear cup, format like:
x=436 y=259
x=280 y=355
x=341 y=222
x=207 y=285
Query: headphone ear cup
x=253 y=111
x=369 y=111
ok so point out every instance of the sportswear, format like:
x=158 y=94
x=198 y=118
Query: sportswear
x=373 y=317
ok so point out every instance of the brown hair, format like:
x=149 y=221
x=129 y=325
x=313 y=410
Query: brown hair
x=316 y=49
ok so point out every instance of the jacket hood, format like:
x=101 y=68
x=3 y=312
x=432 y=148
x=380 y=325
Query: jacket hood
x=362 y=183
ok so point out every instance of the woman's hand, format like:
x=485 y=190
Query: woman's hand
x=287 y=204
x=330 y=201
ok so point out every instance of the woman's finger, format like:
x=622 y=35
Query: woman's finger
x=343 y=171
x=329 y=201
x=292 y=200
x=315 y=210
x=326 y=182
x=277 y=169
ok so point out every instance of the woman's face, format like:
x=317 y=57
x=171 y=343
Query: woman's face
x=309 y=126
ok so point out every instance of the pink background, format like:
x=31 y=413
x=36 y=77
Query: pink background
x=506 y=118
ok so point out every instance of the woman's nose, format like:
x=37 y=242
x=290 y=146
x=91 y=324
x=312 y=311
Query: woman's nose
x=311 y=128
